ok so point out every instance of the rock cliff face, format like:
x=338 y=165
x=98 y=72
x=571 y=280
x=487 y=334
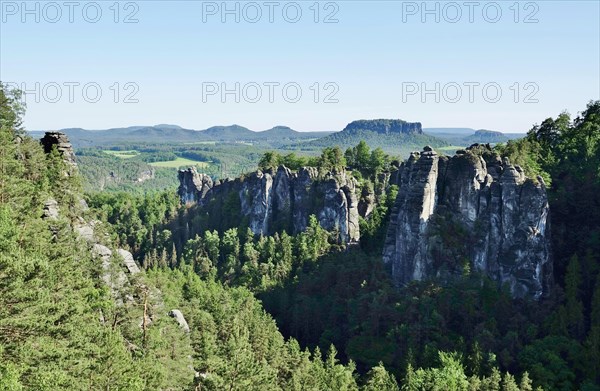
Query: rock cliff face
x=281 y=199
x=64 y=147
x=385 y=126
x=470 y=212
x=129 y=288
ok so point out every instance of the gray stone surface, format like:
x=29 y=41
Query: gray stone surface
x=128 y=261
x=178 y=316
x=276 y=200
x=51 y=209
x=193 y=186
x=64 y=147
x=499 y=217
x=84 y=229
x=116 y=280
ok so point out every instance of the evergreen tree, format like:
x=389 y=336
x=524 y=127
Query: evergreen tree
x=509 y=383
x=380 y=380
x=592 y=343
x=574 y=306
x=525 y=384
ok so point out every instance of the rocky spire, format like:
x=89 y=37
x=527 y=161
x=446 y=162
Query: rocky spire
x=472 y=212
x=64 y=147
x=280 y=199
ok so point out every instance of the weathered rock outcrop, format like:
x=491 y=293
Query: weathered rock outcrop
x=470 y=212
x=193 y=186
x=118 y=270
x=114 y=278
x=180 y=319
x=128 y=261
x=281 y=200
x=64 y=147
x=385 y=126
x=51 y=209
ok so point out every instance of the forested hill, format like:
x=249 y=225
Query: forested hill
x=129 y=292
x=395 y=137
x=76 y=312
x=173 y=134
x=442 y=333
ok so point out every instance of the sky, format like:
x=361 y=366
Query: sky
x=313 y=66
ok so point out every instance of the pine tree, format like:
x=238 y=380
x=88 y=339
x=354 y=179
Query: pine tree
x=574 y=306
x=163 y=262
x=212 y=244
x=411 y=382
x=173 y=258
x=525 y=384
x=380 y=380
x=475 y=359
x=592 y=342
x=492 y=382
x=338 y=377
x=509 y=383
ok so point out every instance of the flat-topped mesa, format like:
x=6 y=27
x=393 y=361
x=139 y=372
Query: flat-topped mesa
x=280 y=199
x=64 y=147
x=472 y=212
x=385 y=126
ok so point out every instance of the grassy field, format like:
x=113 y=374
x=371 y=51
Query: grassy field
x=180 y=162
x=123 y=154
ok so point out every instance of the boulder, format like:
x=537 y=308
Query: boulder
x=128 y=261
x=178 y=316
x=51 y=210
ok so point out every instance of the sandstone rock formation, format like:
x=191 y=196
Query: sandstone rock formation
x=128 y=261
x=118 y=268
x=180 y=319
x=115 y=279
x=385 y=126
x=470 y=212
x=64 y=147
x=282 y=199
x=193 y=186
x=51 y=209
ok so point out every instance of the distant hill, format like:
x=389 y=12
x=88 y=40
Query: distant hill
x=395 y=137
x=384 y=126
x=468 y=136
x=174 y=134
x=228 y=133
x=283 y=132
x=486 y=136
x=166 y=126
x=455 y=131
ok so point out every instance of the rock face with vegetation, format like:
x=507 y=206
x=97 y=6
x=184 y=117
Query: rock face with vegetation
x=277 y=200
x=486 y=136
x=63 y=146
x=472 y=212
x=385 y=126
x=393 y=136
x=193 y=186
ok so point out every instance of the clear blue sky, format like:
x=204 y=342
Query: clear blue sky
x=376 y=51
